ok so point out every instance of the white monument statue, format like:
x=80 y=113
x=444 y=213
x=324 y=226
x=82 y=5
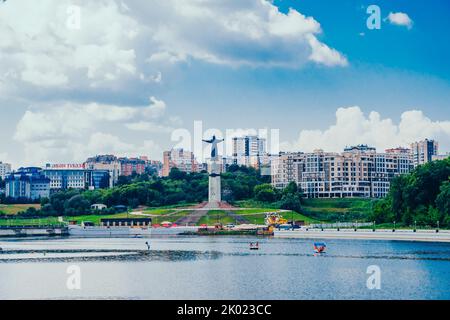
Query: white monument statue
x=214 y=193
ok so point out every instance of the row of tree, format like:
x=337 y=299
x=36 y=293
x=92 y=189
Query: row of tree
x=421 y=197
x=238 y=183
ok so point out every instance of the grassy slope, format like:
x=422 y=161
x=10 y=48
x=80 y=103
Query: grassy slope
x=314 y=210
x=256 y=213
x=337 y=209
x=12 y=209
x=216 y=216
x=348 y=209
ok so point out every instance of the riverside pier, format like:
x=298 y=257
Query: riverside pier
x=33 y=231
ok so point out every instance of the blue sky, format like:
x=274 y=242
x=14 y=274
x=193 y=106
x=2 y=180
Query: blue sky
x=390 y=70
x=224 y=63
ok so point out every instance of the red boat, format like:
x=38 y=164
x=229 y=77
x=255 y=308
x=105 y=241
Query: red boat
x=319 y=247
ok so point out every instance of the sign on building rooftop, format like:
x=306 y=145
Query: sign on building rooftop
x=65 y=166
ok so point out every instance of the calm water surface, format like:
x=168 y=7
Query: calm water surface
x=222 y=268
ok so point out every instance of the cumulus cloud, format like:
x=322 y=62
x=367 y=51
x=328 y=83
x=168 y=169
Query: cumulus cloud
x=116 y=43
x=400 y=19
x=39 y=47
x=4 y=157
x=353 y=127
x=74 y=131
x=246 y=32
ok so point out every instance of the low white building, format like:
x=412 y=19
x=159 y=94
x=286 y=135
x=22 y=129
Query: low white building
x=98 y=206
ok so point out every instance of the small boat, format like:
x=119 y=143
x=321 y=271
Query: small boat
x=254 y=246
x=319 y=247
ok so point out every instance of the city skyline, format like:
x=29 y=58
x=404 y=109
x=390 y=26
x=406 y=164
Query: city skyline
x=319 y=76
x=420 y=152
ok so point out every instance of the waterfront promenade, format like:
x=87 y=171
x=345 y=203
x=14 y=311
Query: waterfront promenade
x=369 y=234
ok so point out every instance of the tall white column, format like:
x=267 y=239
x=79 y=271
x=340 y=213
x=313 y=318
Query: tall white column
x=214 y=196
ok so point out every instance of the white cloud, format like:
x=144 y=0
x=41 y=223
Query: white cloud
x=246 y=32
x=105 y=143
x=120 y=45
x=400 y=19
x=73 y=120
x=325 y=55
x=43 y=51
x=4 y=157
x=73 y=131
x=78 y=150
x=148 y=126
x=353 y=127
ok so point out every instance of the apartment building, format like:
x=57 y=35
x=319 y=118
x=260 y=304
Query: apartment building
x=27 y=183
x=249 y=151
x=357 y=172
x=108 y=163
x=5 y=169
x=130 y=166
x=424 y=151
x=181 y=159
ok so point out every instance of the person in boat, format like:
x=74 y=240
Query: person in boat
x=254 y=246
x=319 y=247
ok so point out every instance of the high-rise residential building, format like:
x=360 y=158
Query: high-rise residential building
x=5 y=169
x=423 y=151
x=181 y=159
x=130 y=166
x=27 y=183
x=249 y=151
x=357 y=172
x=109 y=163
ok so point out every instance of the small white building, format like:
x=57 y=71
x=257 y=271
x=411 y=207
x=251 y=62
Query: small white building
x=98 y=206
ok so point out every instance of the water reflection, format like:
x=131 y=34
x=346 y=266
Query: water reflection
x=86 y=255
x=186 y=268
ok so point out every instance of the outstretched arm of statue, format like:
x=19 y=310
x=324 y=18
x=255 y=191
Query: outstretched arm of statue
x=208 y=141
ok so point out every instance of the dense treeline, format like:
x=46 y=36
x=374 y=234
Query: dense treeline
x=238 y=183
x=421 y=197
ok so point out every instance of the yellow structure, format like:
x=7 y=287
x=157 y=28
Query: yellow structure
x=274 y=218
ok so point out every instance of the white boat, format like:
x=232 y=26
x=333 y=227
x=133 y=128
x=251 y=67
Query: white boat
x=104 y=231
x=125 y=231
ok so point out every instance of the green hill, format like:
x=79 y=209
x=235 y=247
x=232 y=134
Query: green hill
x=332 y=210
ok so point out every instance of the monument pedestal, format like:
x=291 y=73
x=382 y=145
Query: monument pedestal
x=214 y=194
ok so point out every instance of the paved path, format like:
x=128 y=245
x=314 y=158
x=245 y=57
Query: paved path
x=192 y=218
x=239 y=219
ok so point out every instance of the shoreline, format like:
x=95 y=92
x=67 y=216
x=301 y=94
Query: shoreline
x=387 y=235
